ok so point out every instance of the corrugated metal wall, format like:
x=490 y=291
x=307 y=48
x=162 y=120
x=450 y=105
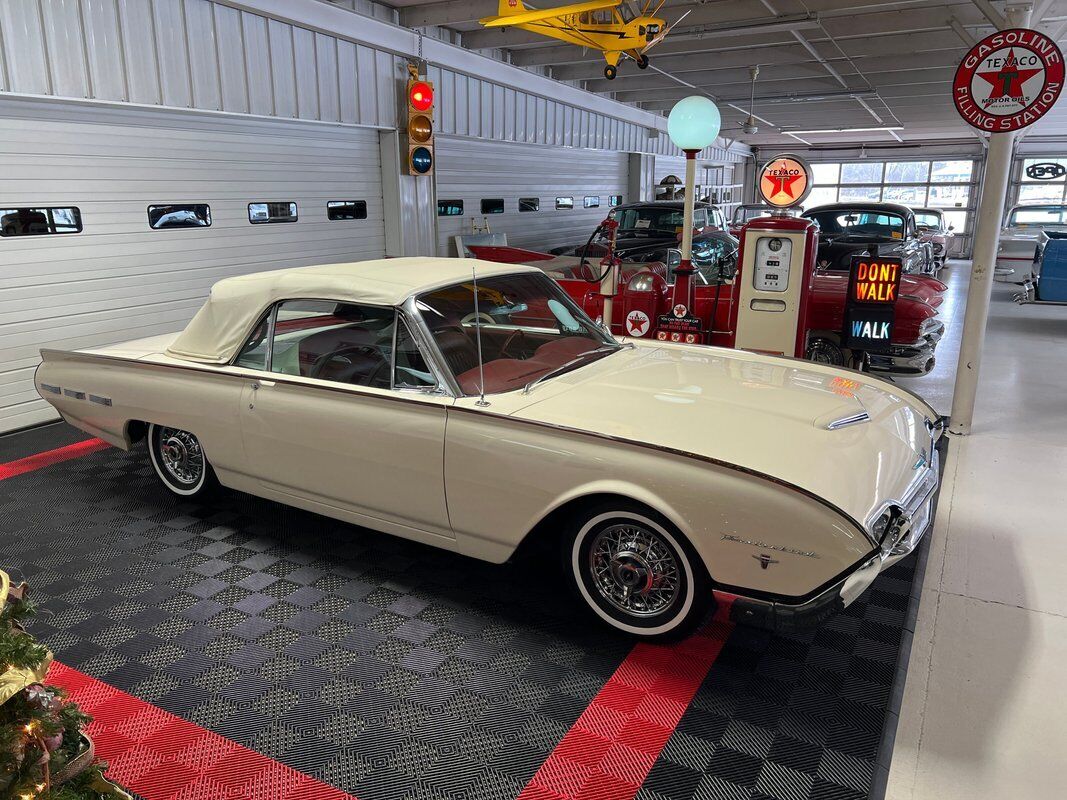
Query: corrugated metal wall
x=472 y=170
x=120 y=280
x=199 y=54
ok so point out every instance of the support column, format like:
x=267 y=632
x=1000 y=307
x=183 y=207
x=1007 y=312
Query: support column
x=683 y=275
x=986 y=242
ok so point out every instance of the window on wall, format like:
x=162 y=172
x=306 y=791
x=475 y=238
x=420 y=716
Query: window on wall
x=529 y=203
x=450 y=208
x=40 y=221
x=493 y=206
x=564 y=203
x=615 y=200
x=259 y=213
x=591 y=201
x=192 y=215
x=920 y=183
x=346 y=209
x=1043 y=185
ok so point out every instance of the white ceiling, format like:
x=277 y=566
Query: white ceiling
x=823 y=63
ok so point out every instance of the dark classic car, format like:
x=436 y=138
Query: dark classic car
x=646 y=229
x=852 y=229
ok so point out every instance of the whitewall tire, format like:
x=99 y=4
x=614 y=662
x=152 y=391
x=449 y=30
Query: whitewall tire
x=636 y=572
x=180 y=462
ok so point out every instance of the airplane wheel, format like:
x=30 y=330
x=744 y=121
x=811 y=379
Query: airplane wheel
x=610 y=72
x=643 y=62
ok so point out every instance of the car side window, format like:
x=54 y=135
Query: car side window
x=410 y=370
x=715 y=259
x=341 y=342
x=254 y=353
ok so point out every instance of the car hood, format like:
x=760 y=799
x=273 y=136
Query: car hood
x=763 y=414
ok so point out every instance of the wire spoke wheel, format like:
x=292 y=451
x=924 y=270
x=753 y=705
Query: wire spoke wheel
x=181 y=456
x=634 y=569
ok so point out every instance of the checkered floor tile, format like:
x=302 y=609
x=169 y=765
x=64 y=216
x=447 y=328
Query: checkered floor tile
x=389 y=669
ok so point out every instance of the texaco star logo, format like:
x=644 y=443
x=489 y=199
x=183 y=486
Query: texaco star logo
x=680 y=310
x=784 y=181
x=1009 y=80
x=637 y=323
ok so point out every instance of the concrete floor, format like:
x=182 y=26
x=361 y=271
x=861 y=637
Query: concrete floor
x=983 y=708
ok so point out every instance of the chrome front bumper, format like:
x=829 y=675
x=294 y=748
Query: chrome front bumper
x=913 y=359
x=900 y=541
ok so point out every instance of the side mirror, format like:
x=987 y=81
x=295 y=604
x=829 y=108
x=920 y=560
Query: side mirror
x=674 y=257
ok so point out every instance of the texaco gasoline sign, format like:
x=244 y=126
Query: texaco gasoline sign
x=785 y=180
x=1008 y=81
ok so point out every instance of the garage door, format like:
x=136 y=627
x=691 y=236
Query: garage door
x=119 y=279
x=473 y=170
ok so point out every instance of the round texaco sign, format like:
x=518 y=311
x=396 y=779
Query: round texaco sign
x=785 y=180
x=1008 y=81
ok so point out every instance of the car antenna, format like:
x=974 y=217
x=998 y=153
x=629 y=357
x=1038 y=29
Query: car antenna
x=478 y=336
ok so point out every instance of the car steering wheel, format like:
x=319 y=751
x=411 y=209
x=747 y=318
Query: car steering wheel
x=519 y=333
x=324 y=360
x=481 y=316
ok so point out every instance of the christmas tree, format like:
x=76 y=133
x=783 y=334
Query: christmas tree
x=44 y=752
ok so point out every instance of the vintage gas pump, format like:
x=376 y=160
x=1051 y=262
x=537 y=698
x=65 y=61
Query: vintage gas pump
x=609 y=269
x=776 y=264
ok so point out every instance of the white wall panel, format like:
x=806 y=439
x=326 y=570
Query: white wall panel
x=233 y=77
x=327 y=75
x=103 y=43
x=203 y=56
x=282 y=68
x=25 y=55
x=139 y=46
x=65 y=46
x=119 y=279
x=349 y=84
x=307 y=90
x=472 y=170
x=257 y=64
x=173 y=54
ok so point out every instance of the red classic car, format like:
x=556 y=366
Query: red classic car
x=645 y=293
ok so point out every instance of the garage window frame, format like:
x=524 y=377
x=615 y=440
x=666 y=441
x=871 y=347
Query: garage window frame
x=450 y=208
x=273 y=209
x=334 y=212
x=492 y=205
x=48 y=212
x=564 y=203
x=201 y=211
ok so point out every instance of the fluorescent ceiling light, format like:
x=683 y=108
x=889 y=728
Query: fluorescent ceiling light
x=847 y=130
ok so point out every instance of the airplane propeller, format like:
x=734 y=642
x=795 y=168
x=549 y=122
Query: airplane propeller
x=663 y=34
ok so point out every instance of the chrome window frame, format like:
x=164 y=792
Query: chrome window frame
x=400 y=313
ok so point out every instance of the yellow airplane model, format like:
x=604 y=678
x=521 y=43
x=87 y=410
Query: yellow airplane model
x=599 y=24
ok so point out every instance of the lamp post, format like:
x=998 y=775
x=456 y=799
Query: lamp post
x=693 y=124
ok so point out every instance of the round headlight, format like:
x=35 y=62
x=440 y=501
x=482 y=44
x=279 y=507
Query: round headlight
x=643 y=282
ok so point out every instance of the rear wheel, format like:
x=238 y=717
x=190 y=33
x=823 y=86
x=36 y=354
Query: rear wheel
x=179 y=461
x=642 y=62
x=825 y=351
x=610 y=72
x=636 y=572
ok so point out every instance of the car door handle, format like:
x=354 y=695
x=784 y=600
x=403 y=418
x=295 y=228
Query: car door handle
x=257 y=384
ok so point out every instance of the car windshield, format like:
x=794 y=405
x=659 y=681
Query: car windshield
x=743 y=214
x=928 y=219
x=529 y=330
x=847 y=222
x=1038 y=215
x=648 y=219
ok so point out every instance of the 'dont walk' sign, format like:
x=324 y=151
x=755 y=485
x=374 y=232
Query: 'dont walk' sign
x=873 y=288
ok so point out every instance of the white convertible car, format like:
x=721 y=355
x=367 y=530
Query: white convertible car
x=473 y=412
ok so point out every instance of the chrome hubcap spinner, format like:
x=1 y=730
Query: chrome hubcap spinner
x=181 y=455
x=634 y=569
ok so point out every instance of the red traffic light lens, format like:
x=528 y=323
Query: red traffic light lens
x=420 y=96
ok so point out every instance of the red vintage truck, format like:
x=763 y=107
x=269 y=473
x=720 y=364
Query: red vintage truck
x=645 y=294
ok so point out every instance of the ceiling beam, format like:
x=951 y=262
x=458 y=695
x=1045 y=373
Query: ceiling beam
x=447 y=13
x=990 y=13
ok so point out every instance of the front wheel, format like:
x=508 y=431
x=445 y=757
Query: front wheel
x=610 y=72
x=636 y=572
x=179 y=461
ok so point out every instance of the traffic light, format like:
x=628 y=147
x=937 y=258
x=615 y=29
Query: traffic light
x=420 y=126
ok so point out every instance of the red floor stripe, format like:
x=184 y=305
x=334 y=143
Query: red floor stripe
x=47 y=459
x=612 y=746
x=163 y=757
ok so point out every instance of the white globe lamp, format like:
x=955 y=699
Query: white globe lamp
x=693 y=124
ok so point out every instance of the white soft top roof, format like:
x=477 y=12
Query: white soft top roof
x=221 y=327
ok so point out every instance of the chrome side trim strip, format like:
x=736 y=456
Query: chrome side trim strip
x=74 y=393
x=47 y=387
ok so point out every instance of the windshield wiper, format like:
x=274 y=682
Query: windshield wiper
x=605 y=349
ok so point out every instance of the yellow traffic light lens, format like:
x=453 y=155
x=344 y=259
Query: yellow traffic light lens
x=420 y=128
